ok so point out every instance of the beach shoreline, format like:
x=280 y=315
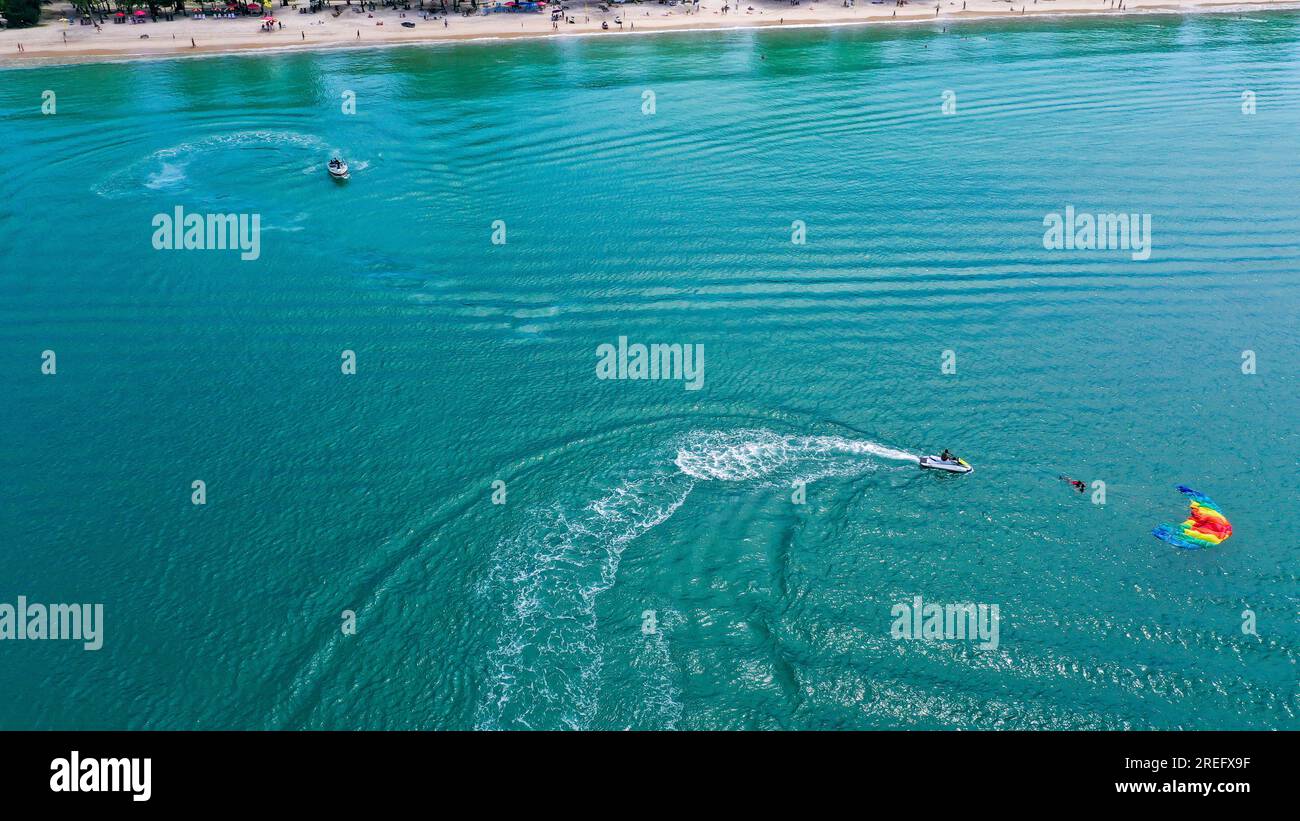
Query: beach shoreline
x=55 y=43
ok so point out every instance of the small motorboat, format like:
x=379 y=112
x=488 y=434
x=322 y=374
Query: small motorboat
x=950 y=465
x=338 y=169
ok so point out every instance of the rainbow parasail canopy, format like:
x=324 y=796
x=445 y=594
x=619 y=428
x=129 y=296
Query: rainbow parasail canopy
x=1206 y=526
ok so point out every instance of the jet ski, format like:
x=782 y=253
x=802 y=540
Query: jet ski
x=338 y=169
x=950 y=465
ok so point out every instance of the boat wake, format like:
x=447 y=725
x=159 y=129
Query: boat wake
x=167 y=170
x=545 y=670
x=754 y=454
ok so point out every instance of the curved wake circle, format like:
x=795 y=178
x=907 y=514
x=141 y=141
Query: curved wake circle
x=545 y=670
x=167 y=169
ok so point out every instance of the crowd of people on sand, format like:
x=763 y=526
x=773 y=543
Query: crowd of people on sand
x=233 y=10
x=433 y=10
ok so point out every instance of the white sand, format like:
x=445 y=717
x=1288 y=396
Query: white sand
x=55 y=42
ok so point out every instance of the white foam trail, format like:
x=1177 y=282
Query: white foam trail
x=752 y=454
x=170 y=175
x=545 y=671
x=167 y=168
x=656 y=706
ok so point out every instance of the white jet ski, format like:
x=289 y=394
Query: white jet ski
x=950 y=465
x=338 y=169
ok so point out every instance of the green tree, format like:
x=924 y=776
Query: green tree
x=89 y=8
x=21 y=13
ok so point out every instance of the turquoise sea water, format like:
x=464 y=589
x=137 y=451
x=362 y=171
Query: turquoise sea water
x=476 y=362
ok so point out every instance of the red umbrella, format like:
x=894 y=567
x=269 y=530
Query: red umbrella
x=141 y=13
x=120 y=14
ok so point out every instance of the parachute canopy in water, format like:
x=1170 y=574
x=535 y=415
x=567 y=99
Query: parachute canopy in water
x=1205 y=525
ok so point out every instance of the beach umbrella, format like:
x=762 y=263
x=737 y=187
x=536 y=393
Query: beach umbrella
x=141 y=13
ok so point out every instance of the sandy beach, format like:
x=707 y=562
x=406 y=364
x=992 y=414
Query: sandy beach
x=61 y=39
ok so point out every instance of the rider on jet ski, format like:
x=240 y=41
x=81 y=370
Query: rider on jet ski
x=947 y=456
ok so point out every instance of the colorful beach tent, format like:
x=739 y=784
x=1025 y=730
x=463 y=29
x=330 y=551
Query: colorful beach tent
x=1205 y=526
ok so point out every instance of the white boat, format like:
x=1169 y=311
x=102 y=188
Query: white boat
x=338 y=169
x=950 y=465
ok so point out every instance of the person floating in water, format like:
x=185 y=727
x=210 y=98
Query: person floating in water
x=1075 y=483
